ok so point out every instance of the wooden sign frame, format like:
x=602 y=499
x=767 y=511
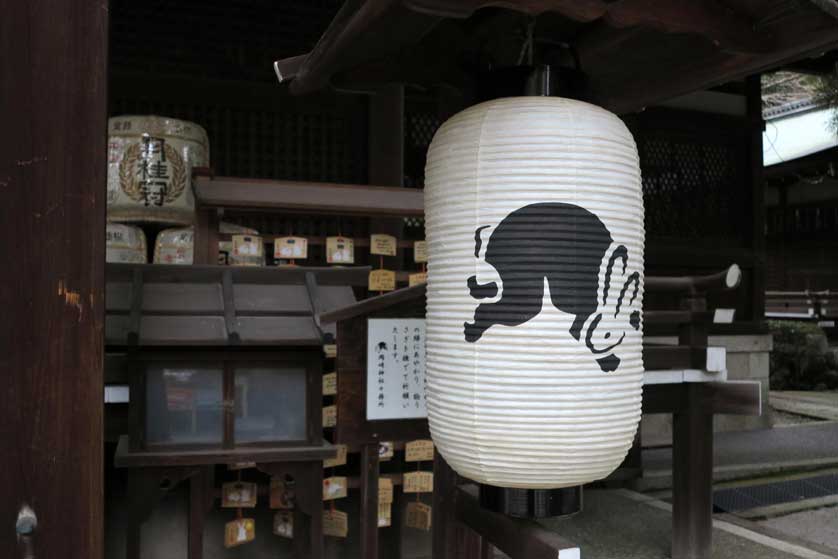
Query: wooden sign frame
x=353 y=428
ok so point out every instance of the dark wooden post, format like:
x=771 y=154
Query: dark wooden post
x=386 y=157
x=692 y=483
x=53 y=165
x=205 y=243
x=315 y=522
x=369 y=501
x=756 y=126
x=692 y=464
x=451 y=538
x=197 y=509
x=444 y=544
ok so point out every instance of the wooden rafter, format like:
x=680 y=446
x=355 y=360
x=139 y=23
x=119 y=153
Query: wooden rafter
x=633 y=52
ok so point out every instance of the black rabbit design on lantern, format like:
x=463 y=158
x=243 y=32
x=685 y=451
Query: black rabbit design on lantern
x=564 y=244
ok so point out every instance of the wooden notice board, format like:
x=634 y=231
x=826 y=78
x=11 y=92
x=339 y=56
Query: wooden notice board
x=356 y=425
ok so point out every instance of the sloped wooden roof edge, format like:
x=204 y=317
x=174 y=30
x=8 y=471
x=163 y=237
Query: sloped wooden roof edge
x=199 y=306
x=376 y=303
x=736 y=43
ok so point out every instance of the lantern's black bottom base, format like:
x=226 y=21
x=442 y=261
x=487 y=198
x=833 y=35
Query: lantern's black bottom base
x=531 y=503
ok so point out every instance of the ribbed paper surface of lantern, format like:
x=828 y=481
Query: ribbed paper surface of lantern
x=534 y=223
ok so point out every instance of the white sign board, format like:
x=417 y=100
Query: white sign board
x=396 y=368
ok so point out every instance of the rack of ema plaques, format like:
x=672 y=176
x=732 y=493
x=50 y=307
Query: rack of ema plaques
x=225 y=367
x=683 y=376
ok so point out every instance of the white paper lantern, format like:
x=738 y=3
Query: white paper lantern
x=534 y=222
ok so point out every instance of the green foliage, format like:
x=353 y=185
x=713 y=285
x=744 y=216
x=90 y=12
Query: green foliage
x=801 y=359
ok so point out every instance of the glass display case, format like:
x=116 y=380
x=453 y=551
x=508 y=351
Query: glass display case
x=225 y=399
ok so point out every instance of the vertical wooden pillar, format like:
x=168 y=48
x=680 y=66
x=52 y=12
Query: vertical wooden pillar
x=451 y=538
x=386 y=157
x=197 y=508
x=53 y=165
x=753 y=86
x=781 y=238
x=315 y=523
x=444 y=544
x=369 y=501
x=390 y=538
x=692 y=483
x=205 y=243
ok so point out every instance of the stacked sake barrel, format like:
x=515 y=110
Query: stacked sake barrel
x=150 y=162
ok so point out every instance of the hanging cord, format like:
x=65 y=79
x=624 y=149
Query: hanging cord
x=418 y=469
x=381 y=267
x=526 y=48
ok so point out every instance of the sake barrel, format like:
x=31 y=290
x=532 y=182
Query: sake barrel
x=174 y=246
x=125 y=243
x=150 y=161
x=534 y=223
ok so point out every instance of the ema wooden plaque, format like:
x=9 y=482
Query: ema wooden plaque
x=385 y=491
x=420 y=251
x=334 y=488
x=340 y=250
x=238 y=494
x=282 y=494
x=418 y=482
x=330 y=416
x=330 y=384
x=418 y=516
x=385 y=451
x=417 y=279
x=284 y=524
x=291 y=248
x=339 y=459
x=384 y=245
x=382 y=280
x=335 y=523
x=385 y=515
x=419 y=450
x=239 y=531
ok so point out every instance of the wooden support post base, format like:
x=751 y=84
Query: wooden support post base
x=692 y=504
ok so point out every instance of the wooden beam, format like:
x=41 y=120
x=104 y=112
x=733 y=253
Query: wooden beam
x=360 y=31
x=729 y=397
x=516 y=537
x=578 y=10
x=720 y=24
x=308 y=197
x=53 y=166
x=124 y=458
x=624 y=88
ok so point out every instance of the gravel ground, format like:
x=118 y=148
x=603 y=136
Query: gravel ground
x=819 y=526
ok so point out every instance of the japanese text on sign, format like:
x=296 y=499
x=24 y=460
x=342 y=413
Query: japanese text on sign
x=396 y=368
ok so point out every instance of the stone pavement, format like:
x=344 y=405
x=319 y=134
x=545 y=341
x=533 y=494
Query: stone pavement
x=819 y=526
x=621 y=524
x=742 y=454
x=821 y=404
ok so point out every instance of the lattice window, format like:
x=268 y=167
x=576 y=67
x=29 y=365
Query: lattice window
x=214 y=38
x=211 y=62
x=693 y=185
x=421 y=123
